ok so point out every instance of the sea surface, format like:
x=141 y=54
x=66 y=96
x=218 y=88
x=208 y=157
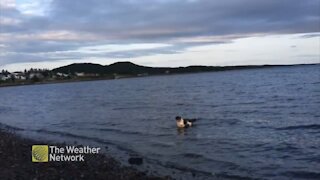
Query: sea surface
x=252 y=124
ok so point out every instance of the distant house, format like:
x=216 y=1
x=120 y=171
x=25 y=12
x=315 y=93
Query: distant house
x=1 y=77
x=36 y=75
x=80 y=74
x=143 y=74
x=5 y=77
x=19 y=75
x=62 y=74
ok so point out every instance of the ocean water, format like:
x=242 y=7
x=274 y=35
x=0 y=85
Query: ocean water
x=252 y=124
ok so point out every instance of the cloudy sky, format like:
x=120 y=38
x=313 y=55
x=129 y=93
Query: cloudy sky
x=52 y=33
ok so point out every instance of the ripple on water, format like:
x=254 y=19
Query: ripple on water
x=302 y=174
x=310 y=126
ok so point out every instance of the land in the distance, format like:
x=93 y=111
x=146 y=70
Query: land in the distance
x=89 y=71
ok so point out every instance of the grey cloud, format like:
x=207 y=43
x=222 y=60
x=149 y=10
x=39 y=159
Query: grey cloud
x=179 y=18
x=137 y=53
x=11 y=58
x=160 y=21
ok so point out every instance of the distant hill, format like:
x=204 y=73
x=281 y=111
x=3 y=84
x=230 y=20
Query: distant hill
x=118 y=68
x=82 y=67
x=129 y=68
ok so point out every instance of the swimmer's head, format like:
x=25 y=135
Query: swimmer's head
x=178 y=118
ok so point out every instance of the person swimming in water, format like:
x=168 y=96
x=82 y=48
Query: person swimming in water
x=184 y=123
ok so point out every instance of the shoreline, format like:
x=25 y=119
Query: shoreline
x=15 y=157
x=52 y=82
x=135 y=76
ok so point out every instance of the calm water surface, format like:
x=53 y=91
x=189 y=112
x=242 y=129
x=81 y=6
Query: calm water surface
x=262 y=123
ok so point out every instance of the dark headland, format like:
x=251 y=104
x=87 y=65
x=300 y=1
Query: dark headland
x=90 y=71
x=129 y=68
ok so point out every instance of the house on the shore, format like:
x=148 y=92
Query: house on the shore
x=82 y=74
x=19 y=75
x=4 y=77
x=62 y=75
x=36 y=75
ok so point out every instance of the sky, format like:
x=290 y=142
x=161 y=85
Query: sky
x=158 y=33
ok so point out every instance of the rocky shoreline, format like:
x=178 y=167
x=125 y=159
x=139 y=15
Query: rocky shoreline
x=15 y=158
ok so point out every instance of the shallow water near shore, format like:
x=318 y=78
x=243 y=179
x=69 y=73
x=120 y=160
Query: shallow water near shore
x=258 y=123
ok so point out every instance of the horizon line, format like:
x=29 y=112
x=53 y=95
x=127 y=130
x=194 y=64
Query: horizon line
x=298 y=64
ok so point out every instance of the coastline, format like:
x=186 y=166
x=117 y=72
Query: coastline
x=15 y=157
x=23 y=83
x=52 y=82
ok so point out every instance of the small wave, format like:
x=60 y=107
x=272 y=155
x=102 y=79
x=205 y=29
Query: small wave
x=7 y=127
x=216 y=122
x=229 y=176
x=299 y=113
x=251 y=103
x=69 y=135
x=249 y=111
x=315 y=83
x=279 y=107
x=311 y=126
x=185 y=169
x=131 y=108
x=5 y=109
x=290 y=99
x=117 y=131
x=206 y=174
x=311 y=159
x=302 y=174
x=285 y=147
x=161 y=145
x=203 y=158
x=180 y=104
x=192 y=155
